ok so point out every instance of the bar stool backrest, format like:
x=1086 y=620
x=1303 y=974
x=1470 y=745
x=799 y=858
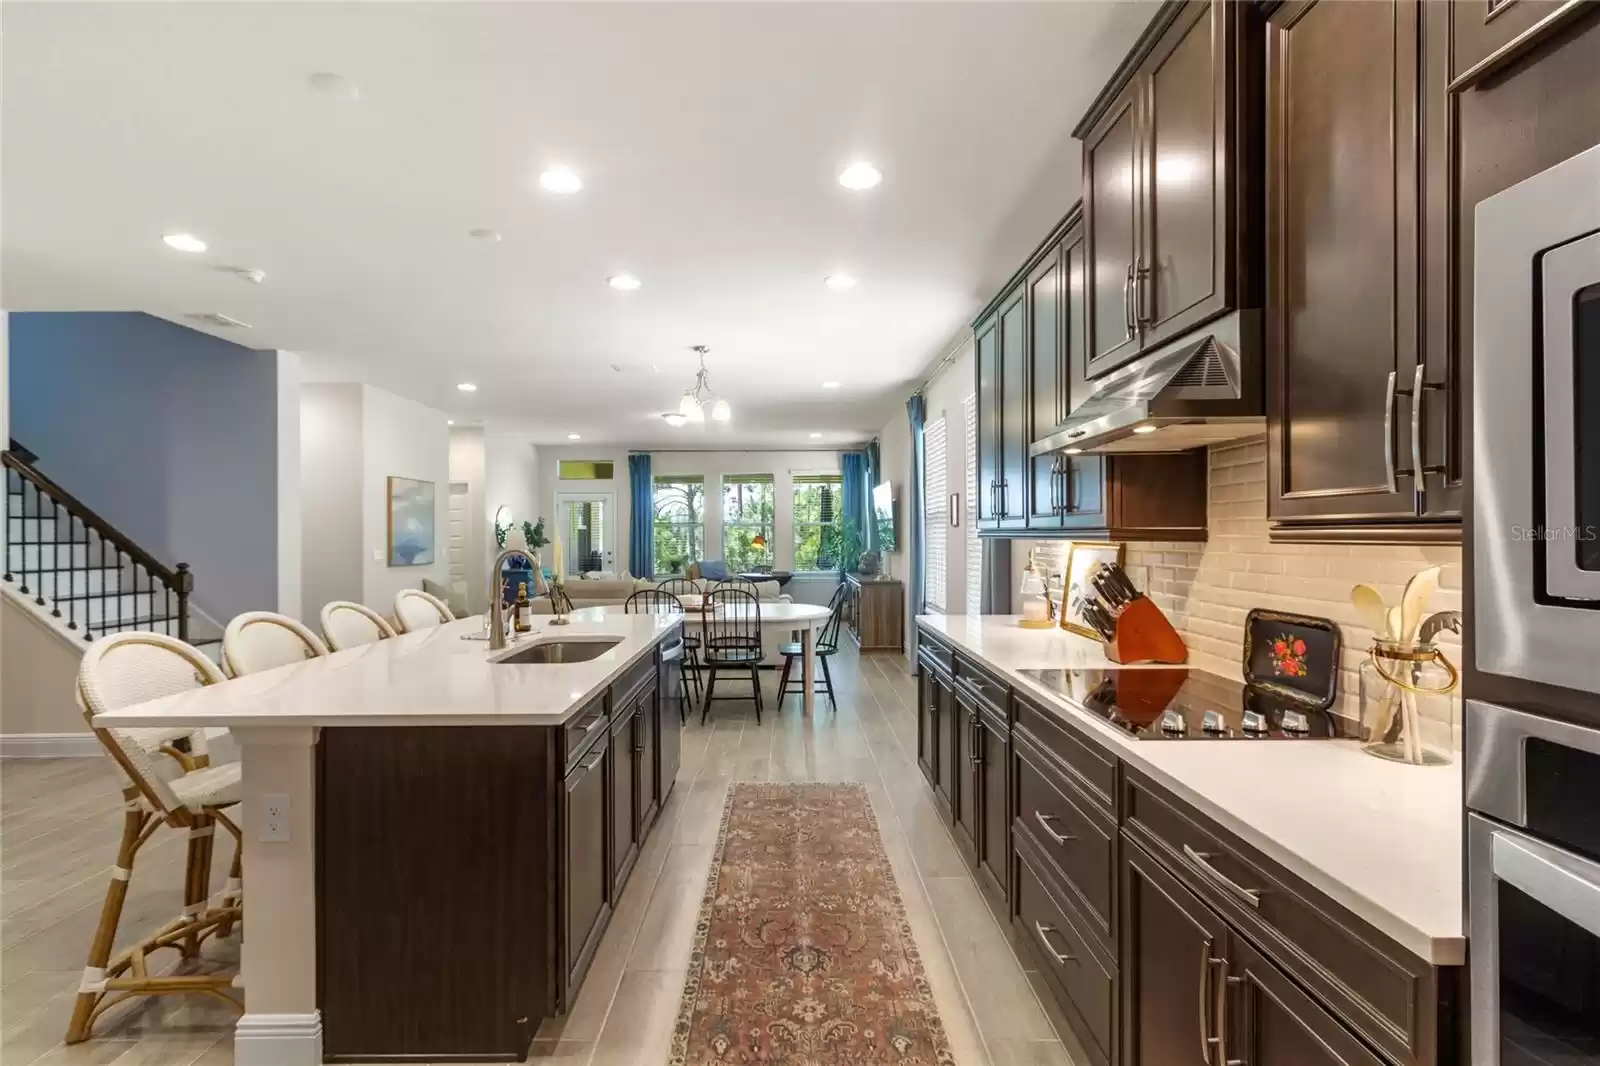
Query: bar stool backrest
x=828 y=636
x=128 y=668
x=346 y=624
x=415 y=609
x=260 y=640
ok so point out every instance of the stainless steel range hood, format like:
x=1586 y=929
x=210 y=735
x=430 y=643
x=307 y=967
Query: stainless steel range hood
x=1204 y=388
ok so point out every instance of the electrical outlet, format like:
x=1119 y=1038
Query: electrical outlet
x=377 y=555
x=274 y=828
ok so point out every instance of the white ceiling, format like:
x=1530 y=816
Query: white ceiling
x=709 y=137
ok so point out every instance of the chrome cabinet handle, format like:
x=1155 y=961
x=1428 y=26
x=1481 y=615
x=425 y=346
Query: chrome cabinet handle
x=591 y=763
x=1206 y=1039
x=1140 y=274
x=1044 y=932
x=1419 y=389
x=1228 y=981
x=1201 y=859
x=1044 y=821
x=1388 y=434
x=1066 y=484
x=1127 y=306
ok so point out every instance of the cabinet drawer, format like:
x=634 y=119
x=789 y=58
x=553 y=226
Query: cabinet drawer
x=1375 y=985
x=581 y=730
x=634 y=677
x=1093 y=768
x=1084 y=983
x=936 y=654
x=1077 y=839
x=992 y=694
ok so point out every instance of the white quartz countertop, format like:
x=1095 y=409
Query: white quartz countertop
x=1380 y=838
x=428 y=678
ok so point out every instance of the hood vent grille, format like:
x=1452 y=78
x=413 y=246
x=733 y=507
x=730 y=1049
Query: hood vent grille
x=1204 y=369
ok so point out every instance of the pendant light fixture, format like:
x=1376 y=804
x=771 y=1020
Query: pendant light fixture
x=692 y=407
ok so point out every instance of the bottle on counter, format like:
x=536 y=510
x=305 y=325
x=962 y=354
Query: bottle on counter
x=522 y=612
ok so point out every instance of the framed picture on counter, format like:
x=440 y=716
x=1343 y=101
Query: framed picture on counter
x=1082 y=558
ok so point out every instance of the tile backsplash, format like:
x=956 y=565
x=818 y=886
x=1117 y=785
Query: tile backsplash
x=1206 y=589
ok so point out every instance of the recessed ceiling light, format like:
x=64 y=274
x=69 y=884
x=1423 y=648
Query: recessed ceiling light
x=816 y=436
x=830 y=384
x=625 y=282
x=1073 y=451
x=335 y=86
x=839 y=282
x=561 y=180
x=674 y=419
x=860 y=176
x=1145 y=429
x=449 y=421
x=573 y=436
x=184 y=242
x=487 y=236
x=467 y=386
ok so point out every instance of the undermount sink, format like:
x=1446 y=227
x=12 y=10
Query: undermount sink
x=561 y=651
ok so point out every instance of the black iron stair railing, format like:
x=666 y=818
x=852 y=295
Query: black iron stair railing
x=63 y=554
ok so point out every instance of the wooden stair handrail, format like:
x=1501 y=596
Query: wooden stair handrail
x=178 y=578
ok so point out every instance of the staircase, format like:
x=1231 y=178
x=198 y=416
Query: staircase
x=75 y=568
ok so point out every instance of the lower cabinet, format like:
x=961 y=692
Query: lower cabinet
x=1174 y=955
x=646 y=760
x=991 y=779
x=963 y=785
x=622 y=769
x=585 y=898
x=1267 y=1020
x=669 y=721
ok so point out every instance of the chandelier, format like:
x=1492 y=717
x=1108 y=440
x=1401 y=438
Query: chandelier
x=692 y=408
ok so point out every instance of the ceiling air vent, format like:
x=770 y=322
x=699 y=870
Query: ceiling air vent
x=1204 y=368
x=217 y=321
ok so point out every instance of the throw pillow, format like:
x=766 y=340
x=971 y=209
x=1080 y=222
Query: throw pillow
x=713 y=570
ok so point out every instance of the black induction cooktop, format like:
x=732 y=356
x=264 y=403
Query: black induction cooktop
x=1177 y=703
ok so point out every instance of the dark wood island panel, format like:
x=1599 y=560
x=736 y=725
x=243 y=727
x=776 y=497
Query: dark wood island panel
x=465 y=874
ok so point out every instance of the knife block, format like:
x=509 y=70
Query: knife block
x=1145 y=636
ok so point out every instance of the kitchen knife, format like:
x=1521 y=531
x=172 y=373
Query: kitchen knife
x=1097 y=617
x=1120 y=578
x=1107 y=590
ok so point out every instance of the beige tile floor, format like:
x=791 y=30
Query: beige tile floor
x=59 y=826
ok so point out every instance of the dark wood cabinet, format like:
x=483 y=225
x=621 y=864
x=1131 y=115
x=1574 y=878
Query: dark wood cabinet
x=622 y=771
x=986 y=355
x=1491 y=34
x=964 y=802
x=991 y=778
x=1047 y=383
x=1014 y=418
x=1174 y=949
x=933 y=711
x=669 y=732
x=585 y=897
x=647 y=736
x=1111 y=178
x=1266 y=1019
x=877 y=612
x=1169 y=150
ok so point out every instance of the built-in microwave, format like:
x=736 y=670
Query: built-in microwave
x=1536 y=428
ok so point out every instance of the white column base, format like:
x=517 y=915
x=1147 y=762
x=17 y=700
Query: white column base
x=278 y=1040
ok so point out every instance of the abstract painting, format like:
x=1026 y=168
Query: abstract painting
x=411 y=534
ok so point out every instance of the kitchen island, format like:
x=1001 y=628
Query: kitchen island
x=435 y=833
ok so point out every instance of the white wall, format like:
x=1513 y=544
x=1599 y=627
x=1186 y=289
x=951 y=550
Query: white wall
x=511 y=475
x=330 y=495
x=290 y=533
x=399 y=438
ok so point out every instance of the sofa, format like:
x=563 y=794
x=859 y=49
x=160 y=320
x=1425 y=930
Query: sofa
x=615 y=592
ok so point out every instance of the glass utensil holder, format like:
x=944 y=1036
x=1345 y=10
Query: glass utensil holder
x=1410 y=705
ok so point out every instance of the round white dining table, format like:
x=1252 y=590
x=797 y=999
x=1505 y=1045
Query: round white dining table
x=805 y=618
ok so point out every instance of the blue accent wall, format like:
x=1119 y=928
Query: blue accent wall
x=168 y=433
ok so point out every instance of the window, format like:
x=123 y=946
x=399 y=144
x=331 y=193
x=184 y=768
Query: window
x=584 y=470
x=969 y=408
x=818 y=521
x=935 y=516
x=680 y=523
x=747 y=521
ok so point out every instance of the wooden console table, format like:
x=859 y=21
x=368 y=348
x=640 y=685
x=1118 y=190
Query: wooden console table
x=878 y=619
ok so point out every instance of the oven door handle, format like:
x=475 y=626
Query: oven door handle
x=1566 y=883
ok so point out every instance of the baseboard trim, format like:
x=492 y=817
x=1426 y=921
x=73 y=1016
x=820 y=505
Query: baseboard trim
x=49 y=746
x=278 y=1040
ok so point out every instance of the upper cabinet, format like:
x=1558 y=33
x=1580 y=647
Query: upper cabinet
x=1361 y=407
x=1169 y=160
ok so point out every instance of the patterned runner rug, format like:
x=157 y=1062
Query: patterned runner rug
x=802 y=952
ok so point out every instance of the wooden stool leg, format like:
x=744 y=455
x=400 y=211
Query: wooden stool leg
x=197 y=878
x=94 y=973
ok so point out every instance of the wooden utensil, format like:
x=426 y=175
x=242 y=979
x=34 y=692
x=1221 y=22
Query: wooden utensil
x=1391 y=627
x=1415 y=601
x=1369 y=603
